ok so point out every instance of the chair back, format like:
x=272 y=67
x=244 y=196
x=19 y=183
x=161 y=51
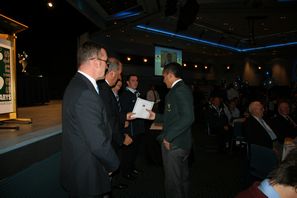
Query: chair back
x=262 y=161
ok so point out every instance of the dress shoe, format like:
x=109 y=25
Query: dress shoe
x=129 y=177
x=120 y=186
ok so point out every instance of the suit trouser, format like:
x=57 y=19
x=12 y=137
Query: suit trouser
x=176 y=170
x=129 y=155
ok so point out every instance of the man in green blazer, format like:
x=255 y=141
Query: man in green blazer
x=176 y=138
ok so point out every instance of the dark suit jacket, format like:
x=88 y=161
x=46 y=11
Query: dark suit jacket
x=178 y=117
x=87 y=154
x=113 y=114
x=282 y=128
x=128 y=99
x=256 y=134
x=216 y=121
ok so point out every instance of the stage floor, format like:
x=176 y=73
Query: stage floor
x=46 y=122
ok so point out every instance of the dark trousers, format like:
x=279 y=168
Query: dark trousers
x=129 y=155
x=176 y=170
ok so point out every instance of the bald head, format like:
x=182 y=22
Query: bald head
x=256 y=109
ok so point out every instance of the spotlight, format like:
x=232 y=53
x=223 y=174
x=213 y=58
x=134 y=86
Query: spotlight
x=145 y=60
x=128 y=58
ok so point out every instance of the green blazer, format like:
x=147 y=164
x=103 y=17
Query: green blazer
x=178 y=117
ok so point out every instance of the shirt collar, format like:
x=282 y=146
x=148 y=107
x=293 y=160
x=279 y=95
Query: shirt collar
x=93 y=81
x=130 y=89
x=175 y=82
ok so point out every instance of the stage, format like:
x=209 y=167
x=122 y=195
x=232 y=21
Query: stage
x=32 y=142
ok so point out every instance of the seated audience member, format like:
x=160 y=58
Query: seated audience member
x=282 y=123
x=257 y=130
x=281 y=183
x=231 y=111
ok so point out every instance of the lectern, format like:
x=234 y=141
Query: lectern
x=8 y=109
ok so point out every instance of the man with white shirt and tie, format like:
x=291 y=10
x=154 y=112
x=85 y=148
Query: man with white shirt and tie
x=257 y=130
x=88 y=158
x=282 y=124
x=134 y=128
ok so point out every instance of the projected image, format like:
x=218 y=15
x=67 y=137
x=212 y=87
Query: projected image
x=163 y=56
x=167 y=57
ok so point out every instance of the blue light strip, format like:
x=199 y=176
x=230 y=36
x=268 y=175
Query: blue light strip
x=193 y=39
x=125 y=14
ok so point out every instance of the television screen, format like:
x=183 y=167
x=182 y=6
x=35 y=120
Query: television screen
x=165 y=55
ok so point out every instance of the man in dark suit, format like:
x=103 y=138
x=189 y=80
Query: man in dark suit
x=282 y=123
x=257 y=130
x=87 y=158
x=134 y=128
x=176 y=137
x=115 y=118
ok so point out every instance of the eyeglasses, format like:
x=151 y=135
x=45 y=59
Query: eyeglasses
x=106 y=61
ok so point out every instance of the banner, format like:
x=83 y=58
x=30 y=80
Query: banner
x=6 y=103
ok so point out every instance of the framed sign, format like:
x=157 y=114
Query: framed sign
x=6 y=102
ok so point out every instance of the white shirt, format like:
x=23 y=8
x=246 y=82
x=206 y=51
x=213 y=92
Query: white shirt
x=175 y=82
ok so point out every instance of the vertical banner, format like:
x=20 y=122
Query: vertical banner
x=6 y=103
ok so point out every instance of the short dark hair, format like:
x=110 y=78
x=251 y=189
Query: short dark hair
x=88 y=50
x=174 y=68
x=286 y=173
x=130 y=75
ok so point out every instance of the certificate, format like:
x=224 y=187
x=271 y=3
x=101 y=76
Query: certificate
x=140 y=108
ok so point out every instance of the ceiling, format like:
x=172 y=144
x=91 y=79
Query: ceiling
x=218 y=27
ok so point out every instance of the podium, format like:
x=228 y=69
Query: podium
x=8 y=108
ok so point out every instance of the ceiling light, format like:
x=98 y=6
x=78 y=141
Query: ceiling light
x=185 y=64
x=228 y=67
x=205 y=67
x=145 y=60
x=196 y=66
x=128 y=58
x=50 y=4
x=259 y=67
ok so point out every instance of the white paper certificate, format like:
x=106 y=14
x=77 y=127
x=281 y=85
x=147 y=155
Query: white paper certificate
x=140 y=108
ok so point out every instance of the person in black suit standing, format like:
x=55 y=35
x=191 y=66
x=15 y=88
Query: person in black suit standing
x=176 y=137
x=87 y=158
x=135 y=128
x=115 y=118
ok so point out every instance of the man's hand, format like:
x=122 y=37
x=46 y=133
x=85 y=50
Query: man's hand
x=129 y=116
x=152 y=115
x=127 y=140
x=126 y=124
x=166 y=144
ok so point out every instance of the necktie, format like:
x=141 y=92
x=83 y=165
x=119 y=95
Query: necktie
x=137 y=93
x=291 y=121
x=118 y=102
x=268 y=129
